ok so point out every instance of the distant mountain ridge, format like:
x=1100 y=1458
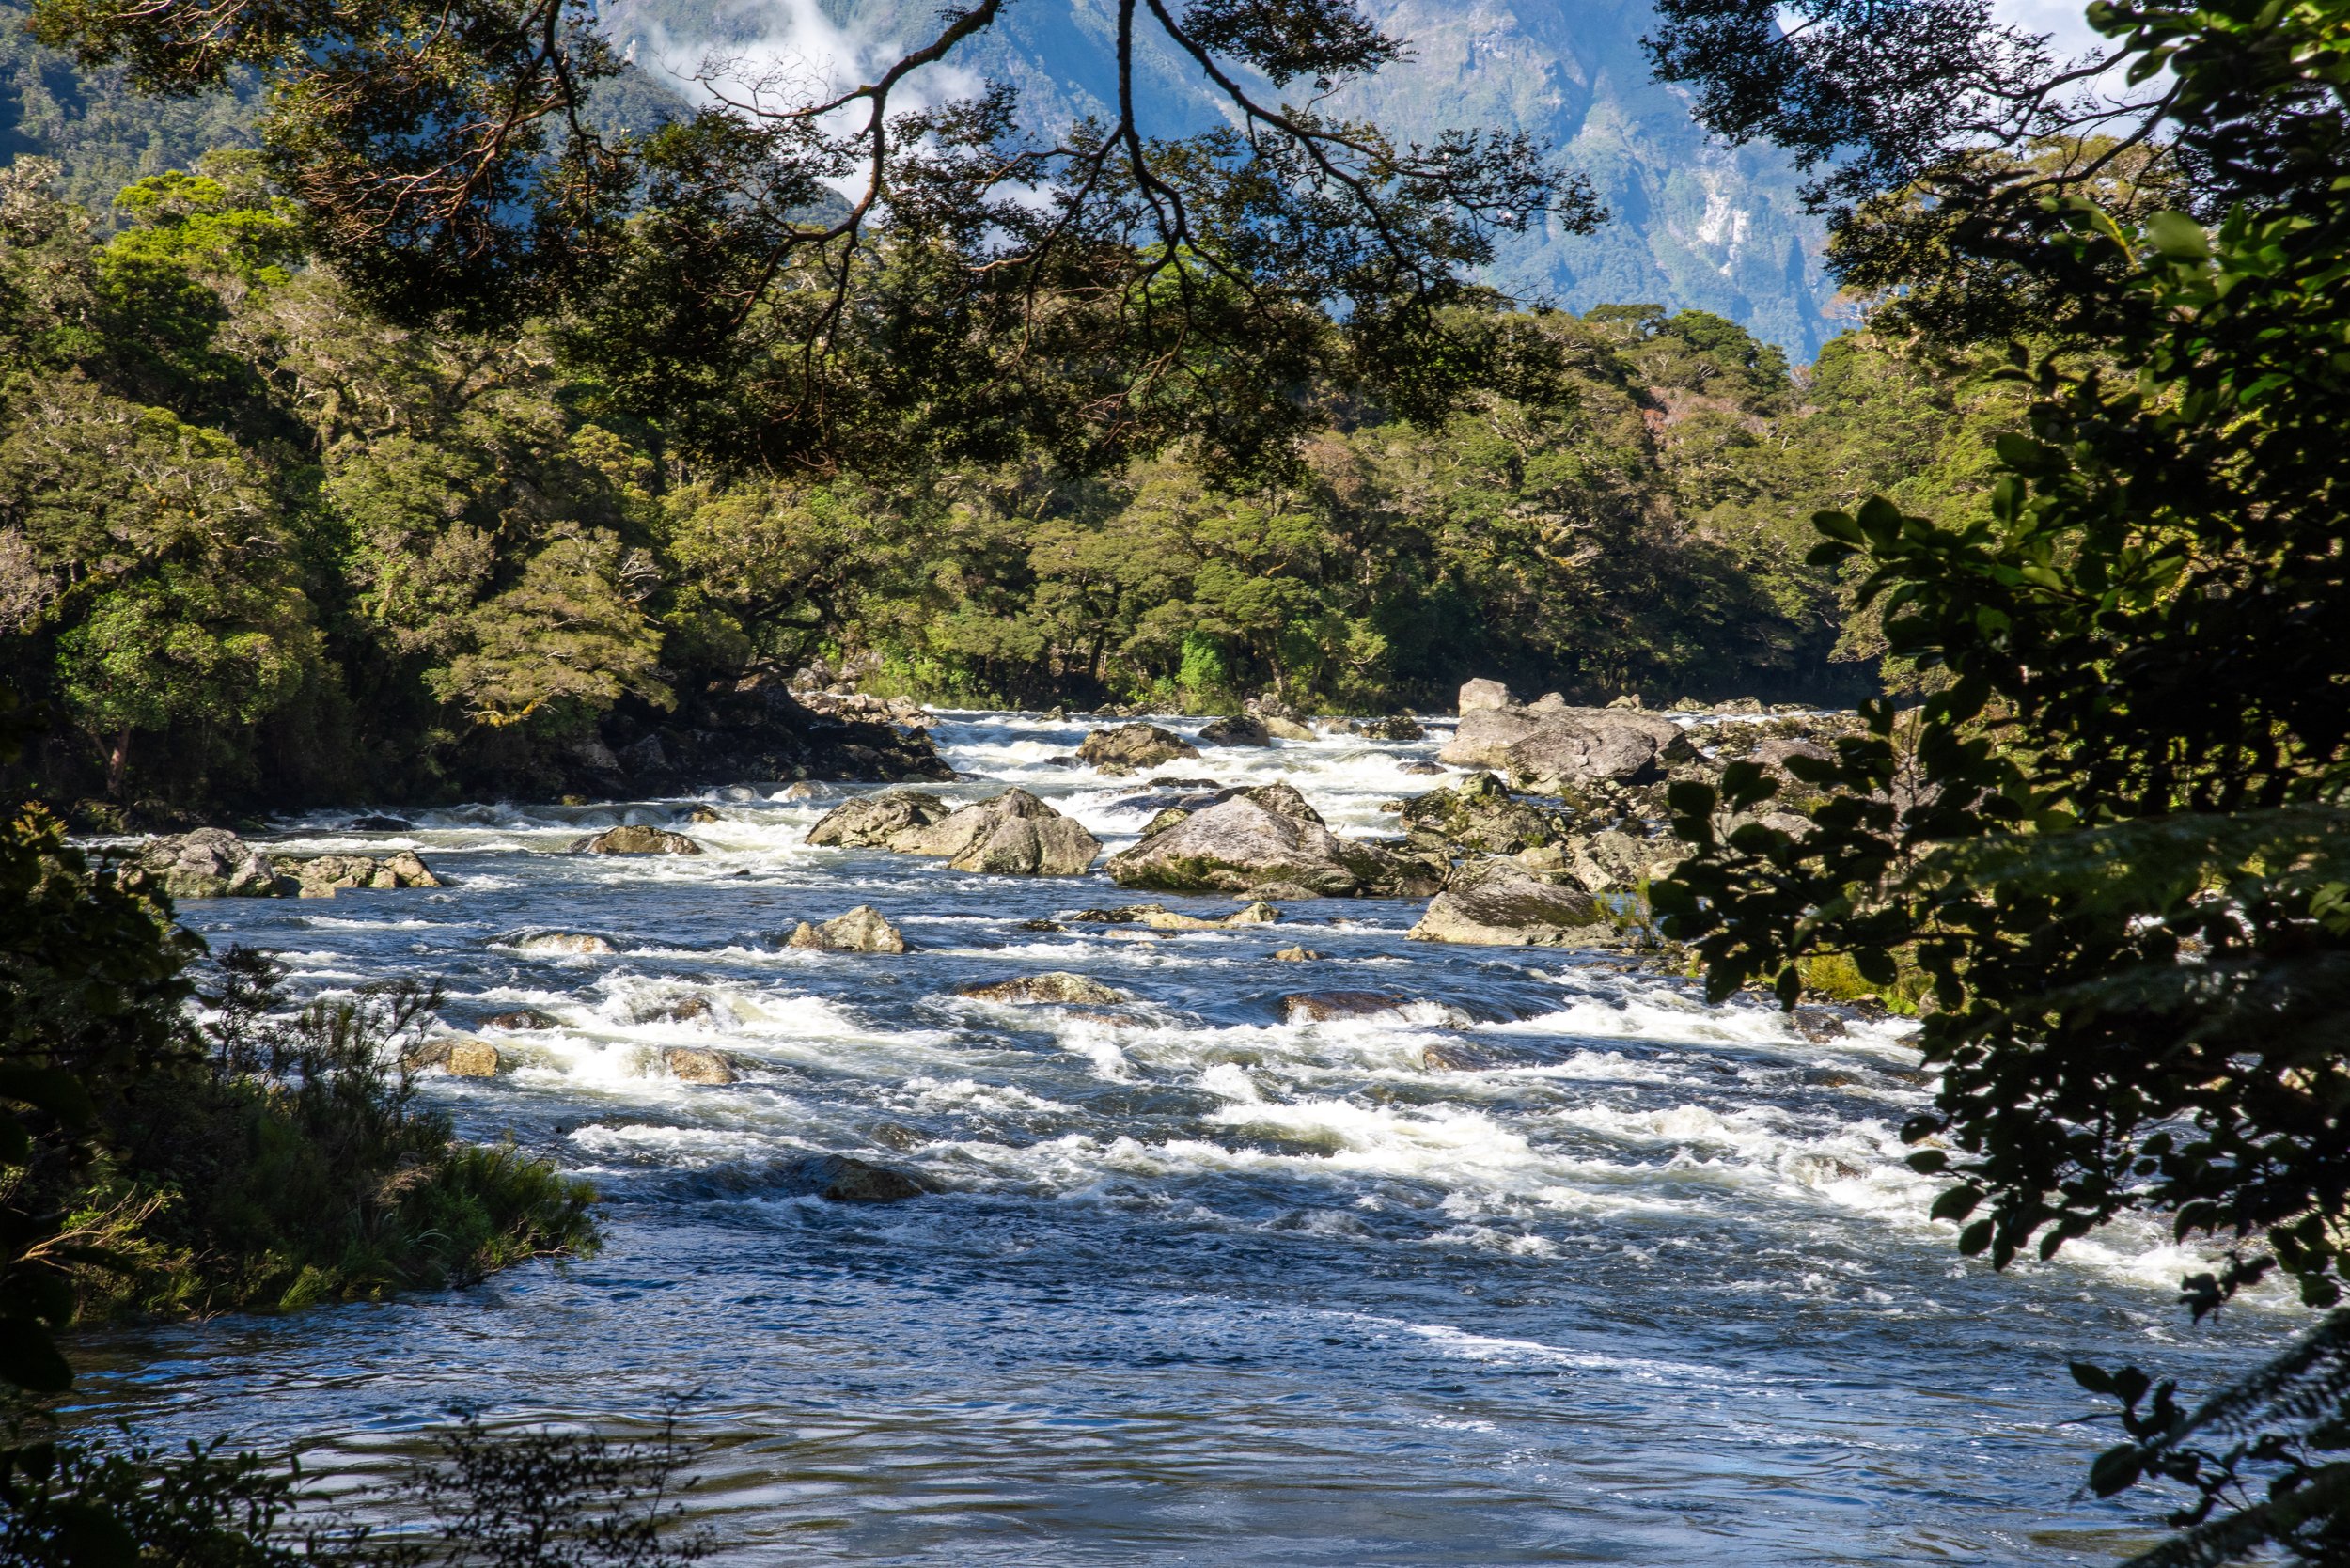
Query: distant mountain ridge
x=1693 y=225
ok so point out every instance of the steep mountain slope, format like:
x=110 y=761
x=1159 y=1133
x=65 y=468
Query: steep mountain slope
x=1694 y=225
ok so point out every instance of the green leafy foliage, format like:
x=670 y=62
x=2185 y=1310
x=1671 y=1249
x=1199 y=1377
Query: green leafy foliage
x=2112 y=835
x=256 y=545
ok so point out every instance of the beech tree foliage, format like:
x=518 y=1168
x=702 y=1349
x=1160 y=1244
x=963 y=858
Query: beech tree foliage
x=1096 y=288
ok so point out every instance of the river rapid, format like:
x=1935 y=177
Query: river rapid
x=1196 y=1284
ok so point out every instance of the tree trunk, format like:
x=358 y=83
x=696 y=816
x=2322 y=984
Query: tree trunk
x=118 y=763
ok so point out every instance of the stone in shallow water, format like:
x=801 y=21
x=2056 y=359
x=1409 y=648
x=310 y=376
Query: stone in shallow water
x=560 y=942
x=473 y=1059
x=1130 y=746
x=1238 y=730
x=1496 y=902
x=632 y=839
x=524 y=1018
x=1319 y=1007
x=1054 y=985
x=840 y=1179
x=691 y=1064
x=862 y=930
x=1296 y=955
x=1013 y=835
x=869 y=822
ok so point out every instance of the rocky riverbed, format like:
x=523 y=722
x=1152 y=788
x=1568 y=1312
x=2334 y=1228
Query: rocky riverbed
x=1275 y=1155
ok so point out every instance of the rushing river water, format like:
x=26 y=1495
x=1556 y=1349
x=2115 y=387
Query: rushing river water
x=1197 y=1285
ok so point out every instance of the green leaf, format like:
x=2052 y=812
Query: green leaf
x=1956 y=1204
x=2178 y=236
x=2095 y=1379
x=2117 y=1470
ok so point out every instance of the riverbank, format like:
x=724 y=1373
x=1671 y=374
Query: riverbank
x=1534 y=1257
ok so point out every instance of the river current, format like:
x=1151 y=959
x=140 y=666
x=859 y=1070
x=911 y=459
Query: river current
x=1196 y=1284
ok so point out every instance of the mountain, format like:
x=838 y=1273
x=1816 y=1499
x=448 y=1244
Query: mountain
x=1693 y=223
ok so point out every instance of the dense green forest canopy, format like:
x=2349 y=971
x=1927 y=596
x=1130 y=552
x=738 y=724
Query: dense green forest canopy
x=251 y=529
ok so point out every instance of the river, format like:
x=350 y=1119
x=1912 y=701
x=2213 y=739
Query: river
x=1196 y=1284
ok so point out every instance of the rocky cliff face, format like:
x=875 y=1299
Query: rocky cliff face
x=1695 y=225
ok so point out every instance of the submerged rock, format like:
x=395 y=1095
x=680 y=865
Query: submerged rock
x=1237 y=729
x=633 y=840
x=1257 y=914
x=524 y=1018
x=1054 y=985
x=1319 y=1007
x=1496 y=902
x=869 y=822
x=560 y=942
x=693 y=1064
x=1256 y=836
x=1013 y=835
x=839 y=1179
x=378 y=824
x=1131 y=746
x=862 y=930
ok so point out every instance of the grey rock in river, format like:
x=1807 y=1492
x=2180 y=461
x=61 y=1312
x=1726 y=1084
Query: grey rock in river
x=862 y=930
x=633 y=840
x=1500 y=903
x=1013 y=835
x=869 y=822
x=1131 y=746
x=1259 y=836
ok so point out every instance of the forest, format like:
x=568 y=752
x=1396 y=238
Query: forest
x=258 y=544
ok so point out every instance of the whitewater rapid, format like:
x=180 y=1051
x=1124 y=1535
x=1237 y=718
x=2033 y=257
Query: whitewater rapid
x=1195 y=1283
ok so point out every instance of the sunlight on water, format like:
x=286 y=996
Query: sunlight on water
x=1649 y=1285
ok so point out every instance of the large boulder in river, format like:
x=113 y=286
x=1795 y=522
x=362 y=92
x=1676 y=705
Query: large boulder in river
x=870 y=822
x=1498 y=903
x=633 y=840
x=1130 y=746
x=1552 y=749
x=321 y=876
x=1237 y=729
x=1013 y=835
x=862 y=930
x=1256 y=836
x=208 y=863
x=1481 y=816
x=1478 y=695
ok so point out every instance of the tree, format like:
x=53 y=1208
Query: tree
x=2113 y=840
x=1096 y=290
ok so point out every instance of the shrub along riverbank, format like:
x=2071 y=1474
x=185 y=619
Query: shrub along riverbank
x=159 y=1164
x=258 y=549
